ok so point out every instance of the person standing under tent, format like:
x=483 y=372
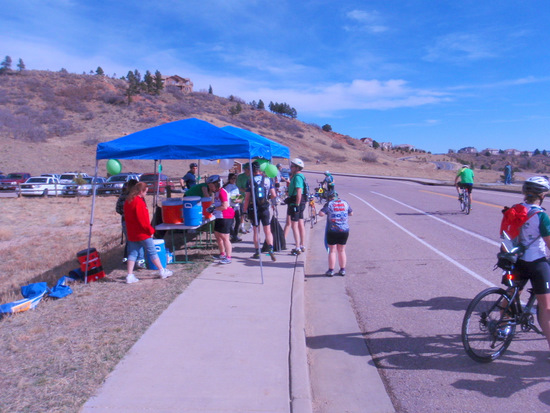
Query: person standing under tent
x=190 y=178
x=224 y=215
x=120 y=210
x=235 y=201
x=140 y=232
x=263 y=191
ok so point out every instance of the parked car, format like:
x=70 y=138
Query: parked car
x=152 y=179
x=52 y=175
x=12 y=180
x=86 y=188
x=115 y=183
x=41 y=186
x=69 y=177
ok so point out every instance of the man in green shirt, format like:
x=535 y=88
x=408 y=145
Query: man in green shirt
x=297 y=204
x=466 y=176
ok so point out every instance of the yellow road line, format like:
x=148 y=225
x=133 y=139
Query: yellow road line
x=454 y=196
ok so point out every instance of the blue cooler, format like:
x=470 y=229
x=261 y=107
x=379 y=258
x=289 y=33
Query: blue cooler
x=161 y=251
x=192 y=211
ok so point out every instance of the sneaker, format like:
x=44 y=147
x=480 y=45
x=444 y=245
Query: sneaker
x=225 y=260
x=272 y=254
x=236 y=239
x=141 y=264
x=256 y=255
x=303 y=249
x=296 y=251
x=218 y=257
x=342 y=272
x=131 y=278
x=329 y=273
x=124 y=260
x=165 y=273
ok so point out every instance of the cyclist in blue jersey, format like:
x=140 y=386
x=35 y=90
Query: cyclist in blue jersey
x=337 y=211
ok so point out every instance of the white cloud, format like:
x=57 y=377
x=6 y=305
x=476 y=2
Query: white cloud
x=369 y=21
x=457 y=47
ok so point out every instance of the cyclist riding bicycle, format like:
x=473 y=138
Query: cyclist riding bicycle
x=328 y=182
x=535 y=238
x=466 y=176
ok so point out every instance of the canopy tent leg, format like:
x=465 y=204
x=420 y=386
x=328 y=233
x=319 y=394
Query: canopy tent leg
x=91 y=221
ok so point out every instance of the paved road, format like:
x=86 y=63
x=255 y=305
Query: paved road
x=415 y=262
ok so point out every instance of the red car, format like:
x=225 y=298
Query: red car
x=152 y=181
x=11 y=181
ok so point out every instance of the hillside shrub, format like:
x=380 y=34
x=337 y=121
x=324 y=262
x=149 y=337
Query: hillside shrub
x=337 y=145
x=369 y=157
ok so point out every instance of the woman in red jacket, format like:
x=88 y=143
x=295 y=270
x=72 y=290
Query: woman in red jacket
x=140 y=231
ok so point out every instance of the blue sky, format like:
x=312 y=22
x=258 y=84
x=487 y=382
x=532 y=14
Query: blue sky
x=437 y=74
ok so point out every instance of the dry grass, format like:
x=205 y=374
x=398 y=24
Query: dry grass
x=54 y=357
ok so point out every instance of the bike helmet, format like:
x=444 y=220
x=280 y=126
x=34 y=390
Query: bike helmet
x=332 y=195
x=255 y=166
x=465 y=166
x=279 y=165
x=193 y=165
x=298 y=162
x=327 y=173
x=212 y=179
x=536 y=185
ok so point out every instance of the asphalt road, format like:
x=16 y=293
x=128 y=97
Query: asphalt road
x=414 y=263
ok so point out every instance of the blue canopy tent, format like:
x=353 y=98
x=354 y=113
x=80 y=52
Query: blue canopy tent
x=277 y=150
x=186 y=139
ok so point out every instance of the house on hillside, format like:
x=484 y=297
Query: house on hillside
x=367 y=141
x=183 y=84
x=405 y=147
x=386 y=145
x=490 y=151
x=512 y=152
x=468 y=149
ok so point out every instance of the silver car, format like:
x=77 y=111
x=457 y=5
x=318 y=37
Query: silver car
x=86 y=188
x=42 y=186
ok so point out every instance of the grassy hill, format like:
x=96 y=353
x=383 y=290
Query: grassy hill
x=52 y=122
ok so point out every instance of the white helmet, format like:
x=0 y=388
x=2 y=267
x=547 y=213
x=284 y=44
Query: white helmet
x=536 y=185
x=298 y=162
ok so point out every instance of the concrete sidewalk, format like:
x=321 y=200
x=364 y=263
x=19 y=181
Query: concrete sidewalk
x=228 y=343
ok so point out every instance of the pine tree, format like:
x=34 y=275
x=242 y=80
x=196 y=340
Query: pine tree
x=210 y=91
x=99 y=71
x=148 y=81
x=159 y=84
x=261 y=104
x=21 y=65
x=5 y=66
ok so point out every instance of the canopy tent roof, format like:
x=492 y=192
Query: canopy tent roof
x=277 y=150
x=187 y=139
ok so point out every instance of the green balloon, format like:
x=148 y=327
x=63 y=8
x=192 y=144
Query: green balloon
x=114 y=167
x=271 y=171
x=263 y=166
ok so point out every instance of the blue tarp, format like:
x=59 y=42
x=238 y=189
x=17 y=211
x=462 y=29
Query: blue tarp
x=277 y=150
x=184 y=139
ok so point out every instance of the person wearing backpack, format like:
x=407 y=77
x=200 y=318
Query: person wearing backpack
x=298 y=193
x=263 y=192
x=534 y=237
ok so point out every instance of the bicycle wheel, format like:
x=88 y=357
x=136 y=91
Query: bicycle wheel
x=467 y=203
x=486 y=331
x=312 y=215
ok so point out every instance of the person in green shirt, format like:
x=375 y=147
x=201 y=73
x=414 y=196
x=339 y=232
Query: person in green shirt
x=466 y=177
x=297 y=204
x=198 y=190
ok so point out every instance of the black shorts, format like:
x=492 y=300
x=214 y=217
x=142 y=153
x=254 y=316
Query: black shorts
x=296 y=212
x=466 y=186
x=337 y=238
x=223 y=225
x=538 y=272
x=261 y=216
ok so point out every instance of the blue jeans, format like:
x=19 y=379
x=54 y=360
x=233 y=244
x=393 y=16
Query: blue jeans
x=141 y=254
x=147 y=245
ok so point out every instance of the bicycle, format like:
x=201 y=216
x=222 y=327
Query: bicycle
x=320 y=193
x=491 y=319
x=312 y=211
x=465 y=201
